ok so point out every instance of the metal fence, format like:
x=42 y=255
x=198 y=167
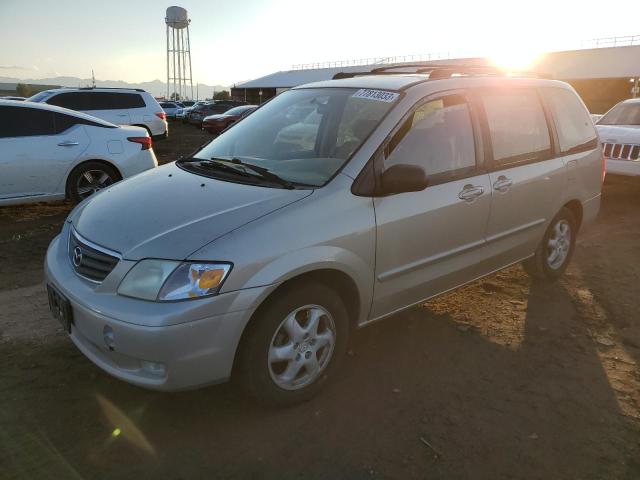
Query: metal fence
x=373 y=61
x=622 y=41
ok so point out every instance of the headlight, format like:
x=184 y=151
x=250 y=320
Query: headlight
x=166 y=280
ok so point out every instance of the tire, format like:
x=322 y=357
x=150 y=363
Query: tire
x=544 y=265
x=269 y=356
x=88 y=178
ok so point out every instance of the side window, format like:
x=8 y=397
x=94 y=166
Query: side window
x=25 y=122
x=517 y=126
x=114 y=101
x=573 y=124
x=71 y=100
x=438 y=137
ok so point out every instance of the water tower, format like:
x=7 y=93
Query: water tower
x=178 y=53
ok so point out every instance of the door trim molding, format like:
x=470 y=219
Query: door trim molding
x=390 y=274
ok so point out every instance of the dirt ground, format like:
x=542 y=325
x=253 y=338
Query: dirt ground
x=504 y=379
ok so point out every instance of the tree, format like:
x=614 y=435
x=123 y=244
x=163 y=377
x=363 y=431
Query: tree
x=175 y=96
x=23 y=90
x=222 y=95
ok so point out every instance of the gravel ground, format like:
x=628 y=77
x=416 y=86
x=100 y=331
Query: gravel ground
x=504 y=378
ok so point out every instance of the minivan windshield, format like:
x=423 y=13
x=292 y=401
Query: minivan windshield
x=622 y=114
x=302 y=136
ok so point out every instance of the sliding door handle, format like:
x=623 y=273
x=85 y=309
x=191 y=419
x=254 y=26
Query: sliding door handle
x=470 y=193
x=502 y=184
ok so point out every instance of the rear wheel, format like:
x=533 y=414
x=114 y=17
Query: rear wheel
x=89 y=178
x=294 y=345
x=556 y=248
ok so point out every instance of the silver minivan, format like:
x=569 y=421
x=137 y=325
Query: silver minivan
x=256 y=257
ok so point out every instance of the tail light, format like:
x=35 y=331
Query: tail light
x=161 y=115
x=146 y=142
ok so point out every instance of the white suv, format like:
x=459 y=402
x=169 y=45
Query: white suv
x=120 y=106
x=619 y=130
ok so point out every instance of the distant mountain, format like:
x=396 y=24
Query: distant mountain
x=155 y=87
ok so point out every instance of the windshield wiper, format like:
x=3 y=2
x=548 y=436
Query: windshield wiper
x=251 y=170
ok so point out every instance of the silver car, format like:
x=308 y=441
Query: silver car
x=257 y=256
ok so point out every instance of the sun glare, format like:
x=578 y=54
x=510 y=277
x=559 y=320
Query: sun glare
x=515 y=58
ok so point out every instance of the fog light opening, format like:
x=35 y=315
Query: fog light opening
x=156 y=369
x=109 y=337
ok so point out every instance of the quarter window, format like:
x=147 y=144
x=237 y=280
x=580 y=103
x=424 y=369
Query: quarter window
x=517 y=126
x=438 y=136
x=573 y=124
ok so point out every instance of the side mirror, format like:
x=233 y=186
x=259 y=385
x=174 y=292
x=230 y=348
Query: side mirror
x=403 y=178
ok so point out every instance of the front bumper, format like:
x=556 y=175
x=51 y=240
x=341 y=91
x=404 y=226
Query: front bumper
x=161 y=346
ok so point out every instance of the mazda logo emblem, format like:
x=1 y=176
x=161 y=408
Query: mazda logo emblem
x=77 y=256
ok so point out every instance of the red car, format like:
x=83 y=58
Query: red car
x=215 y=124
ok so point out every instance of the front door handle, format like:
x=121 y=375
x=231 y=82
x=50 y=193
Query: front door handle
x=502 y=184
x=68 y=144
x=122 y=115
x=470 y=192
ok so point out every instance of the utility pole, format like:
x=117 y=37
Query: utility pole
x=93 y=79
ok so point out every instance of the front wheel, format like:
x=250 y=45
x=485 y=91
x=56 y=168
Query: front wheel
x=294 y=344
x=556 y=248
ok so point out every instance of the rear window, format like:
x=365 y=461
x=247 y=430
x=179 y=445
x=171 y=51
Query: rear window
x=517 y=126
x=573 y=124
x=622 y=114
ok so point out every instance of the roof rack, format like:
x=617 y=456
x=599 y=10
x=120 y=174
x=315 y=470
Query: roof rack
x=440 y=71
x=111 y=88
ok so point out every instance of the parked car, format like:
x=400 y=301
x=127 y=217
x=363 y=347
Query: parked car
x=19 y=99
x=215 y=124
x=170 y=108
x=120 y=106
x=49 y=153
x=199 y=112
x=184 y=113
x=619 y=131
x=254 y=258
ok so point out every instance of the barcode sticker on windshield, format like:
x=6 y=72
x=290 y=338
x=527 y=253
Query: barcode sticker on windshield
x=380 y=95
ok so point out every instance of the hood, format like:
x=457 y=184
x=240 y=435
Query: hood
x=619 y=134
x=167 y=213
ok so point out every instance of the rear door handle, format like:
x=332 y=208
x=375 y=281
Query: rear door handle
x=68 y=144
x=122 y=115
x=470 y=193
x=502 y=184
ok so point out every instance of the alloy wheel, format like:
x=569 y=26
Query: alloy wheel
x=302 y=347
x=559 y=244
x=92 y=181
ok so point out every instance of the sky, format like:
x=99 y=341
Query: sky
x=238 y=40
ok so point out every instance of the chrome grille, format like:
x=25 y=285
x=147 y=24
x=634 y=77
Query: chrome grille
x=89 y=260
x=622 y=151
